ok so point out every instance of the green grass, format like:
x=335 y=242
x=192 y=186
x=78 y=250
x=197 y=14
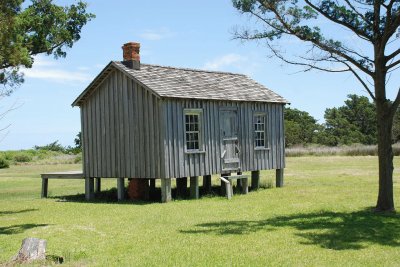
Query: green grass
x=321 y=217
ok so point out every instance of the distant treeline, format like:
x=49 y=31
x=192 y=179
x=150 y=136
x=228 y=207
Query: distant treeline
x=353 y=123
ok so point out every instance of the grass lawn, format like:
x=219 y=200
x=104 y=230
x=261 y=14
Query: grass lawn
x=320 y=218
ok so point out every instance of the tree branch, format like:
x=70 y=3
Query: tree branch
x=392 y=55
x=393 y=65
x=314 y=41
x=360 y=80
x=358 y=13
x=347 y=25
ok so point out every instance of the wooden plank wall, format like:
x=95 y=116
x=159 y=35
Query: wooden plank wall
x=129 y=132
x=181 y=164
x=121 y=130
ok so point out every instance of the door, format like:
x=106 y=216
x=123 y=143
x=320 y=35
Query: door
x=229 y=141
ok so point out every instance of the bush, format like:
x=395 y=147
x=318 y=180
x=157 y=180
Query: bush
x=55 y=146
x=78 y=159
x=4 y=163
x=22 y=157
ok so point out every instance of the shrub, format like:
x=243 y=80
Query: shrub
x=55 y=146
x=22 y=157
x=78 y=159
x=4 y=163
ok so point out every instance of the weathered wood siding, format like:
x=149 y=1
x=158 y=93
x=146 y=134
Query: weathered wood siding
x=127 y=131
x=121 y=130
x=181 y=164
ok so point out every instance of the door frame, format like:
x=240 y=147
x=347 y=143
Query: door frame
x=238 y=134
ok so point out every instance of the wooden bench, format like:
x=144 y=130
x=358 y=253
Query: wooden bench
x=58 y=175
x=228 y=184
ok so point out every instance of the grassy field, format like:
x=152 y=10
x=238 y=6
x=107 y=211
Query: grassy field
x=320 y=218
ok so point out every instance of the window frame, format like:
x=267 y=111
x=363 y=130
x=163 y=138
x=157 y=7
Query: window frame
x=255 y=131
x=198 y=112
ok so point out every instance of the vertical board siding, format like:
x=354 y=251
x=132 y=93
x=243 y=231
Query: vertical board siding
x=127 y=131
x=178 y=163
x=121 y=130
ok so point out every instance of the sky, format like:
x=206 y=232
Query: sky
x=191 y=34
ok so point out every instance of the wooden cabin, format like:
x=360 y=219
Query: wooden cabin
x=151 y=122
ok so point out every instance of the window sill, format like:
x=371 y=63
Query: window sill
x=194 y=151
x=261 y=148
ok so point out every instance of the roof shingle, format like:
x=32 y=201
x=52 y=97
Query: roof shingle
x=197 y=84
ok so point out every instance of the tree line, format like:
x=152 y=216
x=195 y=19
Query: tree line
x=353 y=123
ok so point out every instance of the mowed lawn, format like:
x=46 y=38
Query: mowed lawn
x=321 y=217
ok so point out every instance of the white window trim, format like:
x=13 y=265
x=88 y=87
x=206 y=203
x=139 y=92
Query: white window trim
x=266 y=139
x=199 y=112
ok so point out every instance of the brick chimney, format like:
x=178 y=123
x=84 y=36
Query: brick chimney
x=131 y=55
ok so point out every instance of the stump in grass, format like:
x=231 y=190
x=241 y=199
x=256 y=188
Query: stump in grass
x=31 y=249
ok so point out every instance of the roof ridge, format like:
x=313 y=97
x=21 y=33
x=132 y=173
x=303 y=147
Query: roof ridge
x=190 y=69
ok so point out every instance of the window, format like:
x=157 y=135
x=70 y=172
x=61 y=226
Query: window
x=259 y=130
x=193 y=134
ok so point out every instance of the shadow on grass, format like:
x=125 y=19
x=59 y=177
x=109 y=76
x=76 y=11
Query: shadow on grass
x=10 y=212
x=107 y=197
x=110 y=196
x=18 y=228
x=331 y=230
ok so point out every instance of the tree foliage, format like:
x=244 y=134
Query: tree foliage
x=354 y=122
x=41 y=27
x=300 y=127
x=374 y=23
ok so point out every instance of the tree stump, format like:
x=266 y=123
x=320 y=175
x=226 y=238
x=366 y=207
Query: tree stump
x=32 y=249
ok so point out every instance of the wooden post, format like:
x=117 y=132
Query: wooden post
x=97 y=185
x=181 y=185
x=207 y=186
x=223 y=189
x=279 y=177
x=89 y=188
x=45 y=186
x=166 y=190
x=255 y=180
x=194 y=187
x=120 y=188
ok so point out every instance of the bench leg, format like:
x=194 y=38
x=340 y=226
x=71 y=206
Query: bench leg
x=45 y=185
x=229 y=190
x=98 y=185
x=194 y=187
x=120 y=188
x=245 y=186
x=89 y=188
x=239 y=182
x=223 y=188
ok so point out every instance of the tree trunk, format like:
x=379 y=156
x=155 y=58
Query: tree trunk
x=385 y=155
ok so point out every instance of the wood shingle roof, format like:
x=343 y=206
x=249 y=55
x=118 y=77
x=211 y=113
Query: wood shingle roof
x=171 y=82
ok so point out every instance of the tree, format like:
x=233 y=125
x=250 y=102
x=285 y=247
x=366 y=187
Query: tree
x=373 y=23
x=300 y=127
x=354 y=122
x=41 y=27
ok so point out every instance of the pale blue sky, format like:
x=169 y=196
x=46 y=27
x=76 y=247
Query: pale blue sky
x=194 y=34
